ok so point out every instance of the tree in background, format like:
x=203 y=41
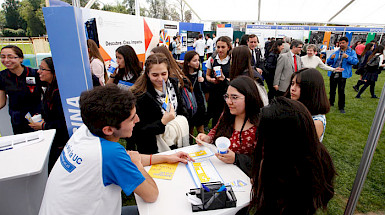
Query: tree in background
x=2 y=19
x=118 y=8
x=31 y=12
x=185 y=15
x=13 y=19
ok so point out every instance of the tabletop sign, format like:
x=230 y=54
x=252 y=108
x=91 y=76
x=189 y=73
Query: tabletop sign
x=163 y=171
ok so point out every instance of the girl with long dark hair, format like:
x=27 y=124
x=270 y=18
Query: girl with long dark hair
x=52 y=112
x=361 y=65
x=308 y=87
x=191 y=69
x=371 y=75
x=241 y=65
x=292 y=172
x=238 y=122
x=129 y=68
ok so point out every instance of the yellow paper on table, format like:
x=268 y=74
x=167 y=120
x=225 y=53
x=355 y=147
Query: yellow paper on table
x=198 y=153
x=163 y=171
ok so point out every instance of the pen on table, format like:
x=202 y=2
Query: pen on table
x=206 y=188
x=210 y=201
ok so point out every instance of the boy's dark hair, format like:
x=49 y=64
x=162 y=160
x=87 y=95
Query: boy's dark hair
x=343 y=39
x=105 y=106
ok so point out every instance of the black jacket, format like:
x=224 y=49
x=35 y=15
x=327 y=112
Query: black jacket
x=150 y=114
x=53 y=116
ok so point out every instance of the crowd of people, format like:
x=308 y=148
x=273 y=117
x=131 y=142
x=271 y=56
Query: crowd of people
x=143 y=103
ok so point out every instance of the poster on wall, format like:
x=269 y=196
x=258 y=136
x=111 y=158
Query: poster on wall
x=169 y=29
x=191 y=36
x=183 y=39
x=225 y=30
x=113 y=31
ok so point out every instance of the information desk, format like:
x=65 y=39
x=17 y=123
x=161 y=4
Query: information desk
x=172 y=193
x=23 y=175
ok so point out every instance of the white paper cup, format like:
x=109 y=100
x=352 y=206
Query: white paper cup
x=223 y=144
x=112 y=67
x=37 y=118
x=217 y=70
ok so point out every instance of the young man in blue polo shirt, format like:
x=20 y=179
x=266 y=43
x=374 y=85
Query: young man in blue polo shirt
x=93 y=167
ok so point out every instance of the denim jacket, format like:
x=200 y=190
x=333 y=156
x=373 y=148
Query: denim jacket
x=346 y=62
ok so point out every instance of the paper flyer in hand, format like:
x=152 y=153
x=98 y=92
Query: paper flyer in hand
x=165 y=105
x=203 y=171
x=163 y=171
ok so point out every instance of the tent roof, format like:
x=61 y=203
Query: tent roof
x=351 y=12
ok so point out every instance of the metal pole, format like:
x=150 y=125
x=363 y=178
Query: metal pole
x=76 y=3
x=137 y=9
x=382 y=34
x=367 y=156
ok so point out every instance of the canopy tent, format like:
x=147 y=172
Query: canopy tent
x=346 y=12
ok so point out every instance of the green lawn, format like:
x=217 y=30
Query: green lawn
x=345 y=138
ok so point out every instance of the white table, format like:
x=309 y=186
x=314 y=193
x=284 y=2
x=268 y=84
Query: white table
x=172 y=193
x=23 y=175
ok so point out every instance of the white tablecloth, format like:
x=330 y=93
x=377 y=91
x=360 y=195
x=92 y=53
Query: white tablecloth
x=23 y=175
x=172 y=193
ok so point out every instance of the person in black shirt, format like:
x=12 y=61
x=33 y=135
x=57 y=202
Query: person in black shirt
x=52 y=112
x=23 y=87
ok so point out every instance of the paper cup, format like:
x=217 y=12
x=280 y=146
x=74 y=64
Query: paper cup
x=112 y=67
x=223 y=144
x=37 y=118
x=217 y=70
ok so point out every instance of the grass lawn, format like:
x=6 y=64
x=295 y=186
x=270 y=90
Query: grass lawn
x=345 y=138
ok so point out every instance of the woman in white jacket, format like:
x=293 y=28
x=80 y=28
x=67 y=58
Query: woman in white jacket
x=312 y=61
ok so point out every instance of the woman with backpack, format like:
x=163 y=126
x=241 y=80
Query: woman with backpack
x=191 y=68
x=361 y=65
x=373 y=68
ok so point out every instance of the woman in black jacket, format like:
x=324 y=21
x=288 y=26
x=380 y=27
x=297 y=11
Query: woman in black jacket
x=158 y=102
x=270 y=65
x=52 y=112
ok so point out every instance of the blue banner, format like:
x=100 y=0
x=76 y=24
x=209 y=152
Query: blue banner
x=67 y=39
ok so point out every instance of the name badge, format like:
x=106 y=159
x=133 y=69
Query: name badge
x=30 y=80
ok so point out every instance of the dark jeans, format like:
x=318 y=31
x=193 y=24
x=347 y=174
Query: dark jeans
x=372 y=84
x=341 y=83
x=269 y=81
x=130 y=210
